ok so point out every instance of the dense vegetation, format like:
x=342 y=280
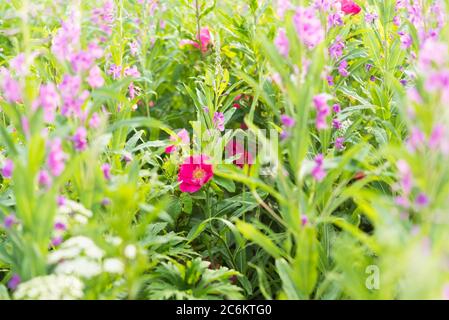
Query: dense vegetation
x=231 y=149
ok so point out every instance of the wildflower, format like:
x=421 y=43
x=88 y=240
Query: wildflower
x=282 y=43
x=336 y=107
x=81 y=61
x=66 y=39
x=56 y=241
x=406 y=39
x=14 y=282
x=336 y=124
x=115 y=71
x=308 y=26
x=134 y=47
x=397 y=21
x=405 y=176
x=9 y=221
x=334 y=19
x=7 y=169
x=336 y=49
x=132 y=72
x=44 y=178
x=95 y=78
x=339 y=143
x=194 y=173
x=432 y=52
x=80 y=139
x=416 y=139
x=422 y=200
x=304 y=220
x=436 y=137
x=349 y=7
x=106 y=169
x=342 y=68
x=330 y=80
x=113 y=265
x=183 y=135
x=205 y=39
x=282 y=7
x=11 y=88
x=371 y=17
x=94 y=121
x=51 y=287
x=130 y=251
x=219 y=120
x=322 y=110
x=56 y=157
x=49 y=100
x=59 y=226
x=318 y=172
x=287 y=121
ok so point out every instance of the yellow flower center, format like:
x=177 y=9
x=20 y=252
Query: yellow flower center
x=198 y=174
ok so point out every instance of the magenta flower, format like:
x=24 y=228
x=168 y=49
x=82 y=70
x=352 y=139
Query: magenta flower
x=95 y=78
x=44 y=178
x=416 y=139
x=56 y=241
x=204 y=39
x=9 y=221
x=436 y=137
x=7 y=169
x=339 y=143
x=406 y=40
x=115 y=71
x=80 y=139
x=308 y=26
x=11 y=88
x=66 y=39
x=219 y=120
x=318 y=172
x=349 y=7
x=81 y=61
x=422 y=200
x=281 y=42
x=56 y=157
x=49 y=100
x=60 y=226
x=322 y=110
x=334 y=20
x=287 y=121
x=132 y=72
x=95 y=120
x=336 y=49
x=336 y=124
x=342 y=68
x=14 y=282
x=194 y=173
x=336 y=107
x=106 y=169
x=304 y=220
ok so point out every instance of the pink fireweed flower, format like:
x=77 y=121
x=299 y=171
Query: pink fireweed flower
x=8 y=169
x=322 y=110
x=416 y=139
x=308 y=26
x=81 y=61
x=103 y=17
x=349 y=7
x=437 y=136
x=339 y=143
x=44 y=178
x=371 y=17
x=49 y=100
x=115 y=71
x=334 y=19
x=336 y=49
x=134 y=48
x=281 y=7
x=95 y=78
x=219 y=120
x=422 y=200
x=282 y=43
x=14 y=282
x=183 y=136
x=405 y=174
x=132 y=72
x=95 y=120
x=287 y=121
x=66 y=39
x=80 y=139
x=11 y=88
x=234 y=148
x=406 y=39
x=342 y=68
x=106 y=169
x=56 y=157
x=194 y=173
x=9 y=221
x=318 y=172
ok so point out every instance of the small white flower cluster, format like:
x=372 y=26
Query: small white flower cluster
x=80 y=256
x=51 y=287
x=72 y=211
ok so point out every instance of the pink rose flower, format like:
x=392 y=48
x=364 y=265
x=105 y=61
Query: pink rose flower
x=194 y=173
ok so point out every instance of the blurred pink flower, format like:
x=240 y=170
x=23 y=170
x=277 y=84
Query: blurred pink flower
x=183 y=135
x=80 y=139
x=308 y=26
x=219 y=121
x=281 y=42
x=7 y=169
x=56 y=157
x=95 y=78
x=106 y=169
x=318 y=172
